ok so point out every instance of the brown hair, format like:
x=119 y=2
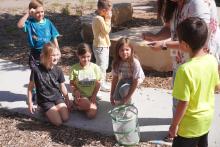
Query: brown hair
x=47 y=51
x=117 y=59
x=35 y=3
x=83 y=48
x=104 y=4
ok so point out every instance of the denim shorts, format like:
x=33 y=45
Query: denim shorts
x=122 y=89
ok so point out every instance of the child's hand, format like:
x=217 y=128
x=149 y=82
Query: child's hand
x=112 y=101
x=108 y=16
x=76 y=94
x=68 y=104
x=31 y=11
x=31 y=108
x=173 y=131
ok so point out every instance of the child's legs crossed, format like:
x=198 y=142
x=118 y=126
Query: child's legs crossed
x=84 y=104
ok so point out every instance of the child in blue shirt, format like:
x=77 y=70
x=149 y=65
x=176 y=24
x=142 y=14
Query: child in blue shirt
x=39 y=29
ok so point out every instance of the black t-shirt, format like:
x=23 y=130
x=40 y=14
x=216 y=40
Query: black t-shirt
x=48 y=83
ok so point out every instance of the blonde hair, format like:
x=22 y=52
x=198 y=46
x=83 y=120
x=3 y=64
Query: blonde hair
x=35 y=3
x=47 y=51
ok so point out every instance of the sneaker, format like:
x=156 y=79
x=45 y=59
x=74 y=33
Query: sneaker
x=104 y=87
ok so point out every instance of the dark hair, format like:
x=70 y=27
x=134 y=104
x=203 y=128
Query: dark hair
x=165 y=9
x=83 y=48
x=104 y=4
x=117 y=59
x=35 y=3
x=194 y=32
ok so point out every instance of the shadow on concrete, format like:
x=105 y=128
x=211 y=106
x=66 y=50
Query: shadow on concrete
x=11 y=97
x=154 y=121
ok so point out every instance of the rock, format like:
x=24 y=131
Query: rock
x=121 y=13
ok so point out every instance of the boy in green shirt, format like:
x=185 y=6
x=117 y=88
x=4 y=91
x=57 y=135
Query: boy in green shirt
x=194 y=87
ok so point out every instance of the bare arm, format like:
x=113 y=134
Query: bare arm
x=65 y=94
x=22 y=20
x=113 y=86
x=180 y=111
x=29 y=94
x=94 y=94
x=131 y=90
x=55 y=41
x=163 y=34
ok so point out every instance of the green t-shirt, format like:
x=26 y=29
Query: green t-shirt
x=85 y=78
x=195 y=82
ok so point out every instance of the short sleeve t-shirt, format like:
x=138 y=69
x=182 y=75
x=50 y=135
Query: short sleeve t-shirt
x=85 y=78
x=48 y=83
x=205 y=9
x=130 y=71
x=195 y=82
x=39 y=33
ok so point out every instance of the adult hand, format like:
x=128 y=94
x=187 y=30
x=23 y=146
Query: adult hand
x=156 y=45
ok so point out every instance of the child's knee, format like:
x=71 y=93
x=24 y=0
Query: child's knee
x=91 y=113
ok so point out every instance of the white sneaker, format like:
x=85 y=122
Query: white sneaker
x=104 y=87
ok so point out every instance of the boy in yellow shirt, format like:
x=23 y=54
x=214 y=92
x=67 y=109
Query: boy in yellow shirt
x=101 y=27
x=194 y=86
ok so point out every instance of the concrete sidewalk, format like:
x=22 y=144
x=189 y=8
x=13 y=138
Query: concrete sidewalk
x=154 y=106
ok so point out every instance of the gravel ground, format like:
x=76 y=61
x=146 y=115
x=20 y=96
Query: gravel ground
x=20 y=130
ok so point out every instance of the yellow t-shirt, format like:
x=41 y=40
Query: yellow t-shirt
x=195 y=82
x=85 y=78
x=101 y=30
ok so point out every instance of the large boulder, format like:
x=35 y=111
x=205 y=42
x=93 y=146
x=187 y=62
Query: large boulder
x=121 y=13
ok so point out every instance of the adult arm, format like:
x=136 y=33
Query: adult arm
x=163 y=34
x=180 y=111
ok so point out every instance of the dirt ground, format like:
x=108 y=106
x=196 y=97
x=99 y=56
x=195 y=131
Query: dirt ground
x=19 y=130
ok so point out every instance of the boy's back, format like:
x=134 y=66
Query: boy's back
x=195 y=82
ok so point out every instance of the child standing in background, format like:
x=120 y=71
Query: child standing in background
x=194 y=86
x=50 y=87
x=39 y=31
x=85 y=81
x=101 y=27
x=127 y=73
